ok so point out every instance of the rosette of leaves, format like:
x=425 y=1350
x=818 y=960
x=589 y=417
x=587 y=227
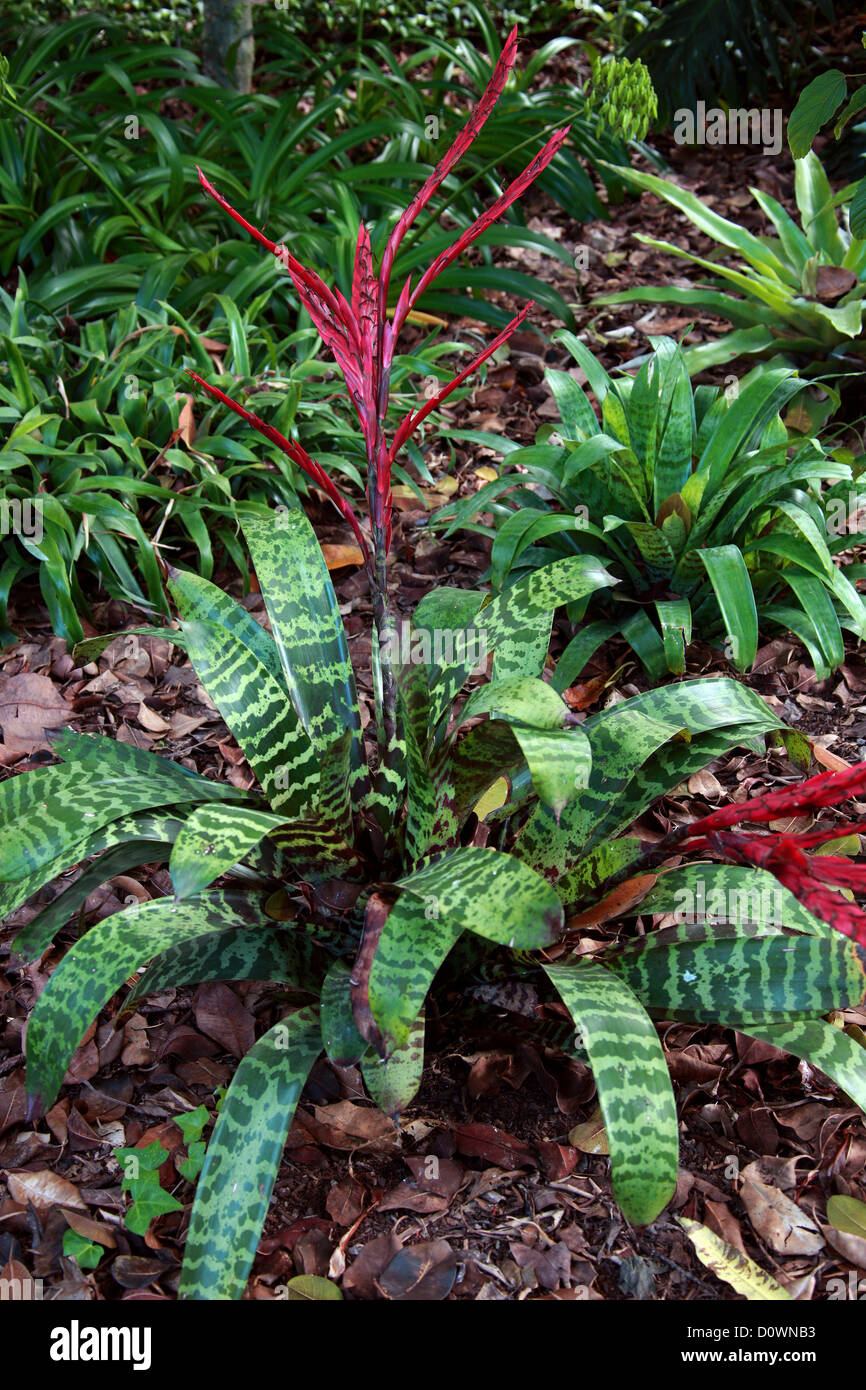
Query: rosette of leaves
x=301 y=883
x=362 y=867
x=713 y=518
x=797 y=292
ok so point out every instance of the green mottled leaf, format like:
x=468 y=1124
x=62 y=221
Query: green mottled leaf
x=101 y=961
x=392 y=1082
x=822 y=1046
x=760 y=979
x=243 y=1156
x=471 y=889
x=213 y=839
x=235 y=953
x=340 y=1037
x=634 y=1088
x=198 y=600
x=307 y=627
x=255 y=707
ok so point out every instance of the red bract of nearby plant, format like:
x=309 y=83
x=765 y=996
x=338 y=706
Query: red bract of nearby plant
x=784 y=855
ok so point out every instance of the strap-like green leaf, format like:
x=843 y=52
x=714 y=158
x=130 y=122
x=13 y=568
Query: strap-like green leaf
x=44 y=813
x=157 y=828
x=733 y=589
x=307 y=627
x=340 y=1037
x=213 y=839
x=634 y=1087
x=471 y=889
x=243 y=1156
x=198 y=600
x=821 y=1045
x=747 y=978
x=262 y=719
x=236 y=953
x=393 y=1081
x=37 y=936
x=98 y=964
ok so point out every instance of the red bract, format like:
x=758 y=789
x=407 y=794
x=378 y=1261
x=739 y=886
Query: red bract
x=827 y=789
x=785 y=854
x=805 y=877
x=359 y=335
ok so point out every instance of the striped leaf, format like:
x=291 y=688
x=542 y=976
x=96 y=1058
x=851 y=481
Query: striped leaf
x=392 y=1082
x=243 y=1156
x=758 y=979
x=340 y=1037
x=44 y=812
x=818 y=1043
x=235 y=953
x=213 y=839
x=307 y=628
x=101 y=961
x=37 y=936
x=255 y=708
x=623 y=739
x=197 y=600
x=515 y=625
x=634 y=1087
x=732 y=893
x=471 y=889
x=158 y=828
x=559 y=758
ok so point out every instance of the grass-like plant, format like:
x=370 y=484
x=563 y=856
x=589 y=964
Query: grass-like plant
x=798 y=292
x=455 y=832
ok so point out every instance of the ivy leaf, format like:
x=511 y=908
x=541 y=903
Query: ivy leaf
x=150 y=1201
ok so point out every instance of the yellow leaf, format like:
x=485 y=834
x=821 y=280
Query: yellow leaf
x=726 y=1262
x=495 y=796
x=488 y=474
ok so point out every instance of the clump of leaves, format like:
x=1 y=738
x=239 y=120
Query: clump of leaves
x=798 y=293
x=360 y=872
x=711 y=516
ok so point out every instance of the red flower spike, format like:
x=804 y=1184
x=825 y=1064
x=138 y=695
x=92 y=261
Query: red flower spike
x=359 y=335
x=298 y=454
x=489 y=97
x=804 y=877
x=481 y=223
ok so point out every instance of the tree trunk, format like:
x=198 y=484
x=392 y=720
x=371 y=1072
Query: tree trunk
x=227 y=43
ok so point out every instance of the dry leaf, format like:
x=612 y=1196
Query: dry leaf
x=30 y=704
x=336 y=556
x=729 y=1264
x=780 y=1222
x=591 y=1136
x=44 y=1189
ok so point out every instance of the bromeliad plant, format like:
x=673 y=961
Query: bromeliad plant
x=704 y=507
x=800 y=291
x=357 y=874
